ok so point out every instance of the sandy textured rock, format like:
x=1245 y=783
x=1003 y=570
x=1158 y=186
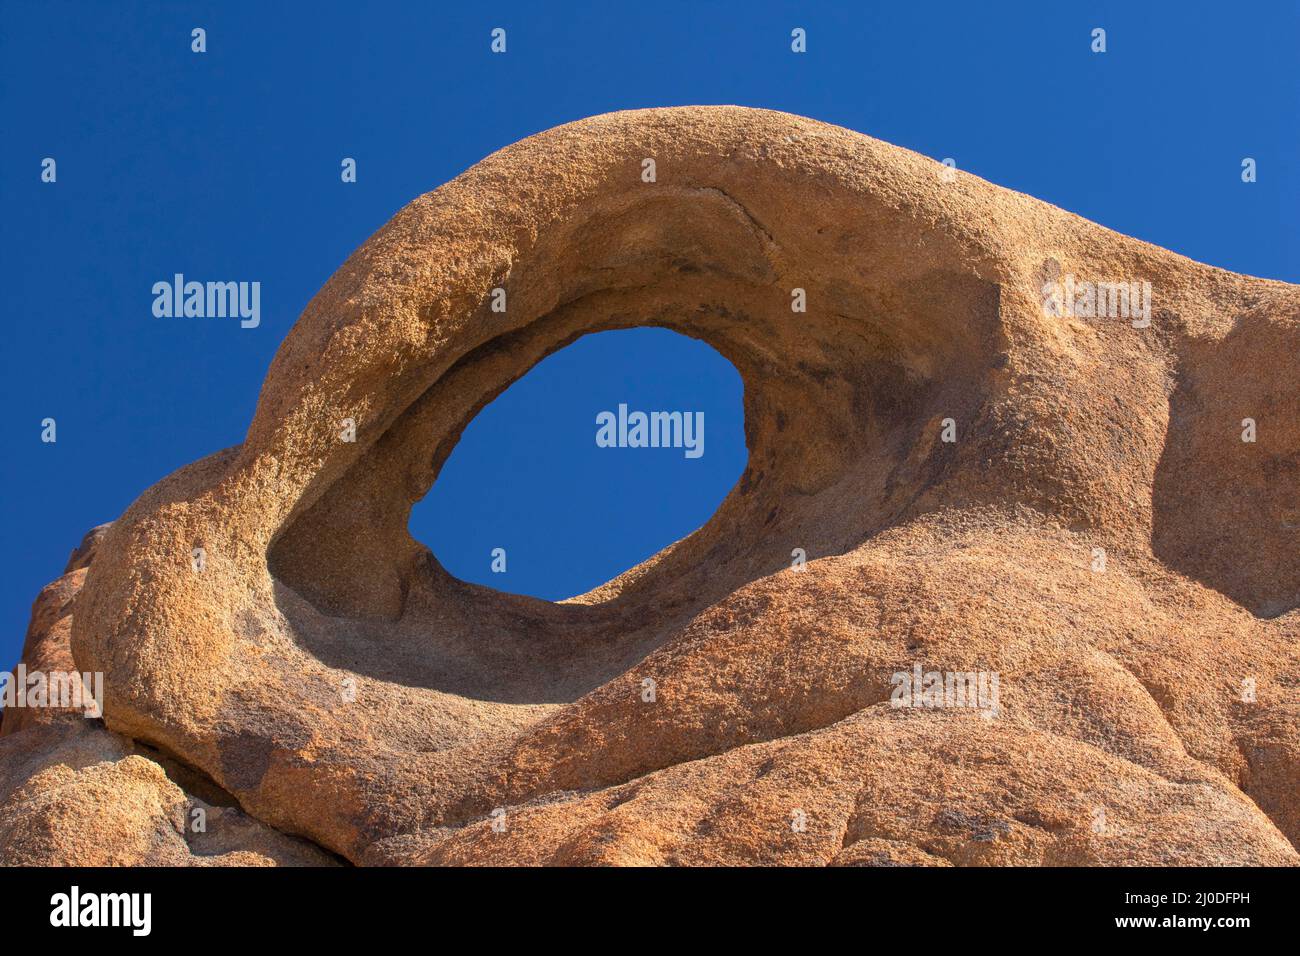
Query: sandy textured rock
x=91 y=798
x=46 y=647
x=325 y=670
x=72 y=792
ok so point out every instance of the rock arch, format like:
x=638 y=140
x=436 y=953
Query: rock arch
x=924 y=304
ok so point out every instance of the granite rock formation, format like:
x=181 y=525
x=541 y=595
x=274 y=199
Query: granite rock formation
x=981 y=483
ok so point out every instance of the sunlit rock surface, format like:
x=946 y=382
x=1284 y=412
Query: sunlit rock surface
x=985 y=478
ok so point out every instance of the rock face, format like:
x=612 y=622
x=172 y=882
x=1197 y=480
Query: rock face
x=72 y=792
x=1096 y=542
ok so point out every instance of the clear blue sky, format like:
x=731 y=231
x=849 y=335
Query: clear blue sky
x=225 y=165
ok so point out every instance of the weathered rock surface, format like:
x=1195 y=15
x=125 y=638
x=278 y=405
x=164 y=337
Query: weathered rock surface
x=324 y=671
x=72 y=792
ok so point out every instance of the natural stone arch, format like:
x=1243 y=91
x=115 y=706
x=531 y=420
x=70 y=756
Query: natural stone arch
x=923 y=305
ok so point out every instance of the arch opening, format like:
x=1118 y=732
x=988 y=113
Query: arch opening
x=600 y=456
x=840 y=407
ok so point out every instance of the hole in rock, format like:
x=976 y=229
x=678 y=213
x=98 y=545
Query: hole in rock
x=557 y=485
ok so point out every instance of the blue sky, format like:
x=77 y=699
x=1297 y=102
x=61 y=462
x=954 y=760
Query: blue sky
x=225 y=165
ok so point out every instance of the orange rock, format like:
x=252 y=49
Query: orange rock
x=984 y=481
